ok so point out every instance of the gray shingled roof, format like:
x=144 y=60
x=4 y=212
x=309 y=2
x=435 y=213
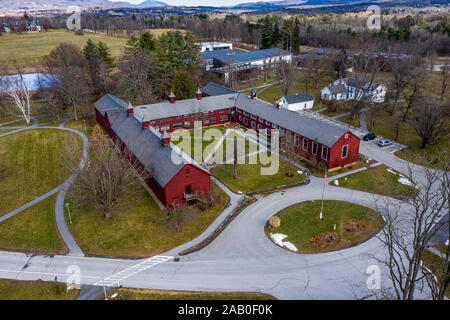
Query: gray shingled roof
x=297 y=98
x=181 y=107
x=109 y=102
x=338 y=88
x=319 y=131
x=214 y=89
x=361 y=83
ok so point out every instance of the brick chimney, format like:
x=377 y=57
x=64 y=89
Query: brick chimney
x=199 y=94
x=145 y=124
x=278 y=105
x=165 y=139
x=130 y=109
x=253 y=94
x=171 y=97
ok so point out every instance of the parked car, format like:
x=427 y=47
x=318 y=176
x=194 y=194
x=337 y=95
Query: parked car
x=384 y=142
x=369 y=136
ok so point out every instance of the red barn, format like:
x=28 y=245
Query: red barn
x=175 y=177
x=172 y=176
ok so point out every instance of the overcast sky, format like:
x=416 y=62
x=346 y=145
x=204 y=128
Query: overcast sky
x=198 y=2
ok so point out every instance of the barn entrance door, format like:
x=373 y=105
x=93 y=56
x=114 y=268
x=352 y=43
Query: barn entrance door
x=188 y=189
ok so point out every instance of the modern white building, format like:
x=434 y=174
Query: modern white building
x=297 y=102
x=212 y=46
x=354 y=89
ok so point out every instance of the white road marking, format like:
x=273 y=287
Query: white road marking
x=131 y=271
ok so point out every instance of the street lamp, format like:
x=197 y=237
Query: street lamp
x=68 y=210
x=84 y=123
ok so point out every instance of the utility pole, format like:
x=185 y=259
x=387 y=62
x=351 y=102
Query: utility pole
x=323 y=193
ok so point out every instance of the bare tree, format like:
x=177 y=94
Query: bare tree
x=108 y=177
x=67 y=76
x=288 y=145
x=179 y=213
x=401 y=69
x=415 y=84
x=438 y=279
x=444 y=73
x=18 y=92
x=430 y=120
x=286 y=72
x=409 y=228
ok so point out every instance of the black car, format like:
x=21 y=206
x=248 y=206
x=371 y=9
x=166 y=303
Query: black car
x=369 y=136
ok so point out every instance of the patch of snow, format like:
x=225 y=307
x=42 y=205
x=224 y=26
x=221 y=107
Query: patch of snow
x=336 y=182
x=389 y=170
x=405 y=181
x=299 y=172
x=115 y=295
x=278 y=239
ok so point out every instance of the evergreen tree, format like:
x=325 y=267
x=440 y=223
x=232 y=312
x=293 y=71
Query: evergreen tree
x=183 y=87
x=276 y=35
x=267 y=33
x=296 y=37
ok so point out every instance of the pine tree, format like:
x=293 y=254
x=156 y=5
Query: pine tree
x=296 y=37
x=267 y=33
x=183 y=87
x=276 y=35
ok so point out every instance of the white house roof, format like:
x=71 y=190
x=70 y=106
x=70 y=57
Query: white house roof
x=297 y=98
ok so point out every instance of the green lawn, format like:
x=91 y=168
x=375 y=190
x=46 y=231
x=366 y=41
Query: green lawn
x=18 y=122
x=32 y=164
x=376 y=180
x=274 y=93
x=79 y=124
x=34 y=290
x=134 y=231
x=250 y=178
x=136 y=294
x=435 y=264
x=300 y=222
x=33 y=230
x=353 y=122
x=29 y=48
x=255 y=83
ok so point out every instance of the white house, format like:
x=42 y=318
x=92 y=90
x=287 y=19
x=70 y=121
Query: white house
x=297 y=102
x=353 y=88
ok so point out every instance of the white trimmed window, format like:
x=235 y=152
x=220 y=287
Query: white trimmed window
x=213 y=119
x=259 y=127
x=245 y=113
x=314 y=148
x=223 y=118
x=305 y=144
x=344 y=151
x=206 y=121
x=187 y=124
x=268 y=132
x=245 y=121
x=324 y=153
x=253 y=116
x=253 y=124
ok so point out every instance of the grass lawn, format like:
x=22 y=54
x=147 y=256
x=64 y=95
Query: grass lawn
x=33 y=230
x=250 y=178
x=29 y=48
x=255 y=83
x=32 y=165
x=79 y=125
x=385 y=126
x=274 y=93
x=134 y=231
x=34 y=290
x=377 y=180
x=435 y=264
x=137 y=294
x=300 y=222
x=18 y=122
x=353 y=122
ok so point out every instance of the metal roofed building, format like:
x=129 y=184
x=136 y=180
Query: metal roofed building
x=297 y=102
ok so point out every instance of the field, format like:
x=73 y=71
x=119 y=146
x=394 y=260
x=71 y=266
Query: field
x=377 y=180
x=34 y=290
x=33 y=230
x=300 y=222
x=135 y=294
x=136 y=229
x=128 y=33
x=32 y=165
x=29 y=48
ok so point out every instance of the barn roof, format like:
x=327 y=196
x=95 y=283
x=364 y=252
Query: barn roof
x=186 y=106
x=243 y=57
x=163 y=163
x=109 y=102
x=338 y=88
x=314 y=129
x=297 y=98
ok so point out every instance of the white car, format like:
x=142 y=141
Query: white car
x=384 y=142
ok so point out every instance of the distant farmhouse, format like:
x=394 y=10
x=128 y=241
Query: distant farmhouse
x=243 y=65
x=20 y=26
x=175 y=177
x=297 y=102
x=354 y=89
